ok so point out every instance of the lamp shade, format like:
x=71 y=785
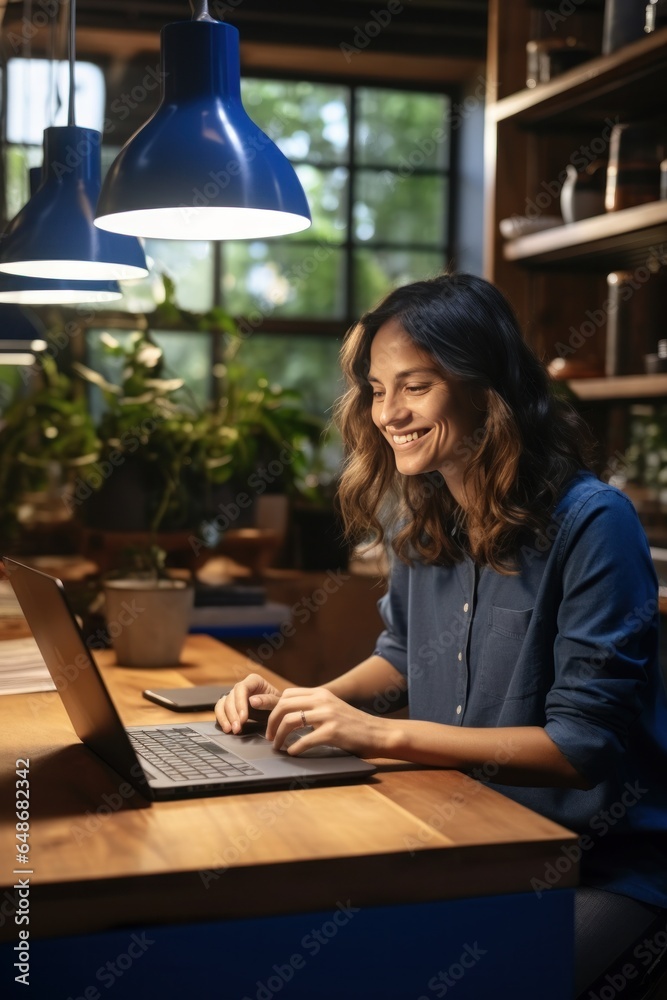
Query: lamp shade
x=199 y=168
x=54 y=236
x=24 y=291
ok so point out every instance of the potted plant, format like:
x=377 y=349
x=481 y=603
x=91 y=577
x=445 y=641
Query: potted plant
x=166 y=465
x=162 y=464
x=48 y=439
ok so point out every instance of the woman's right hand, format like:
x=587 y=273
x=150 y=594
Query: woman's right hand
x=253 y=692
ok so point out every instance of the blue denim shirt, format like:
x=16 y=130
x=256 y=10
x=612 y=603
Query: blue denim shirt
x=570 y=643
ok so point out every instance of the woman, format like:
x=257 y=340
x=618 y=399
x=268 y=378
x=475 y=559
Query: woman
x=521 y=615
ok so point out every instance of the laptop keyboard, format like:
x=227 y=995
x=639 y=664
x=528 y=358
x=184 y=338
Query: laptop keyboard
x=186 y=755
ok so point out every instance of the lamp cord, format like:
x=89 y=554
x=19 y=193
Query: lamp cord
x=27 y=55
x=72 y=62
x=200 y=10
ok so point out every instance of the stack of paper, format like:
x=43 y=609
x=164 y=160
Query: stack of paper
x=22 y=668
x=9 y=606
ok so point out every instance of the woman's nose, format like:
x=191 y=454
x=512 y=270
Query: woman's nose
x=394 y=410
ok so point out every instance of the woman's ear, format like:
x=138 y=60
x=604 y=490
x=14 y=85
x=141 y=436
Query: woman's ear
x=480 y=398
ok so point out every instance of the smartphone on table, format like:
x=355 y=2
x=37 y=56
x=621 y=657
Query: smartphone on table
x=198 y=698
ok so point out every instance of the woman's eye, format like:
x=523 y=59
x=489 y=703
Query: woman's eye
x=416 y=388
x=377 y=393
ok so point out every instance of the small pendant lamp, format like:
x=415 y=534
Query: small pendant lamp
x=49 y=291
x=199 y=168
x=54 y=236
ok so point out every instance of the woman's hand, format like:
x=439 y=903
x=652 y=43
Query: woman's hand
x=334 y=723
x=253 y=692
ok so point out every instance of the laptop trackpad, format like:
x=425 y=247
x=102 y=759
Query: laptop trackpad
x=253 y=745
x=250 y=745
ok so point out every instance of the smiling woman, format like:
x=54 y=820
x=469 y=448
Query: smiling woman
x=521 y=617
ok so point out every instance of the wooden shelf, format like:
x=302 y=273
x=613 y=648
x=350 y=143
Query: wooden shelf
x=625 y=239
x=620 y=387
x=629 y=83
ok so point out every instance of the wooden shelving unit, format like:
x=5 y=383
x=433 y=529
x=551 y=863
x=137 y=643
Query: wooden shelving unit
x=556 y=278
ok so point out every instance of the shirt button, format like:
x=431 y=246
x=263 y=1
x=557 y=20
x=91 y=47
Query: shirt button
x=465 y=606
x=460 y=656
x=458 y=709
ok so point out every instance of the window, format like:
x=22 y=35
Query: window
x=374 y=164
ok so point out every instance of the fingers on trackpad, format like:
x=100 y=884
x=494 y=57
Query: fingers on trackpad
x=320 y=751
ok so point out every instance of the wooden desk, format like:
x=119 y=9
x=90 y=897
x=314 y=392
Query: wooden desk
x=421 y=844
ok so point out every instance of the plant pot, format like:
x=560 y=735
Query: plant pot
x=148 y=620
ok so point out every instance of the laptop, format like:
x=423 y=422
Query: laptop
x=183 y=760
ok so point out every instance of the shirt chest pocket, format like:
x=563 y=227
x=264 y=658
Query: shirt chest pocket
x=505 y=673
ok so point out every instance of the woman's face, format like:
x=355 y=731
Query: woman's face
x=429 y=419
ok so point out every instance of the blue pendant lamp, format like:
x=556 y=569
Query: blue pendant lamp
x=54 y=236
x=49 y=291
x=24 y=291
x=200 y=169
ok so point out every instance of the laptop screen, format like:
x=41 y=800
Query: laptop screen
x=73 y=669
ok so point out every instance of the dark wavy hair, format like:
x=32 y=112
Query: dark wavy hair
x=530 y=445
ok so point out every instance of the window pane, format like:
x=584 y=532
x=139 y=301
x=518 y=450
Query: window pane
x=378 y=271
x=308 y=121
x=30 y=81
x=327 y=192
x=140 y=296
x=190 y=266
x=402 y=129
x=391 y=209
x=188 y=263
x=284 y=279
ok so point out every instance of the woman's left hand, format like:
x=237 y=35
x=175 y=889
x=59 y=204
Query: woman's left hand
x=334 y=722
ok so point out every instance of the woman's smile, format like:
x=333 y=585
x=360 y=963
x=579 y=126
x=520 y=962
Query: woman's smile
x=409 y=437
